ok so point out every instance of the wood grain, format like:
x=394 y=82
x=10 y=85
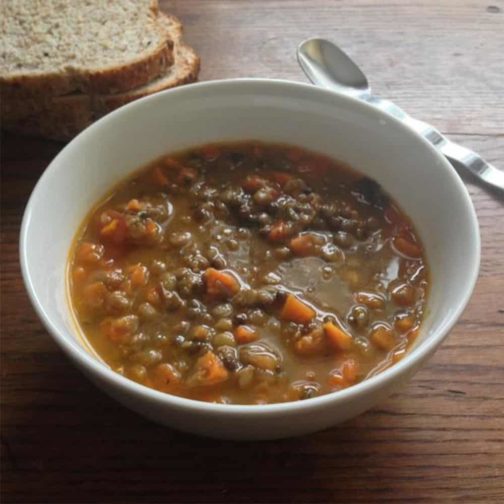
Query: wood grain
x=439 y=440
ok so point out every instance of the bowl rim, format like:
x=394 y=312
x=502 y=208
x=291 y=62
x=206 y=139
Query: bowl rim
x=94 y=367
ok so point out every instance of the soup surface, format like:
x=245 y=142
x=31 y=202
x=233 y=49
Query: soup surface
x=248 y=273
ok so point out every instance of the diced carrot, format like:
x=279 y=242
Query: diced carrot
x=296 y=310
x=210 y=152
x=159 y=177
x=371 y=300
x=221 y=283
x=134 y=205
x=95 y=294
x=346 y=375
x=383 y=337
x=281 y=177
x=114 y=231
x=120 y=235
x=208 y=370
x=167 y=374
x=303 y=245
x=90 y=253
x=279 y=231
x=121 y=329
x=406 y=247
x=311 y=344
x=338 y=338
x=110 y=228
x=253 y=183
x=152 y=228
x=350 y=370
x=139 y=275
x=106 y=216
x=245 y=334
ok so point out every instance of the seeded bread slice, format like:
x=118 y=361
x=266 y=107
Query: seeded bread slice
x=54 y=47
x=71 y=114
x=14 y=108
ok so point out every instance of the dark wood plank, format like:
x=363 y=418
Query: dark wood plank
x=440 y=439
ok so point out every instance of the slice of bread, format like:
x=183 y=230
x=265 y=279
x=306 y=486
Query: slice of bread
x=69 y=115
x=55 y=47
x=14 y=108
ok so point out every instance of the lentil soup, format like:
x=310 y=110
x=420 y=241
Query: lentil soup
x=248 y=273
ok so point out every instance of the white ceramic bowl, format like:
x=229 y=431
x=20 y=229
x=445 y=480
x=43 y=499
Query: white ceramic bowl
x=412 y=171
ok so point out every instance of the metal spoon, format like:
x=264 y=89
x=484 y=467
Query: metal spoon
x=326 y=65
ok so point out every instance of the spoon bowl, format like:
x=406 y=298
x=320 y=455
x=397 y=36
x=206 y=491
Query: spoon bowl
x=327 y=65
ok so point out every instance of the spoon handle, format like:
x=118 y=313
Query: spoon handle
x=460 y=157
x=326 y=65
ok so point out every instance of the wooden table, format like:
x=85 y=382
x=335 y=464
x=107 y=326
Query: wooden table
x=441 y=439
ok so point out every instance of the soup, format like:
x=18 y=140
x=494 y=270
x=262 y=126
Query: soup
x=248 y=273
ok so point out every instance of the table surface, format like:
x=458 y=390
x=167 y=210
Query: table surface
x=440 y=439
